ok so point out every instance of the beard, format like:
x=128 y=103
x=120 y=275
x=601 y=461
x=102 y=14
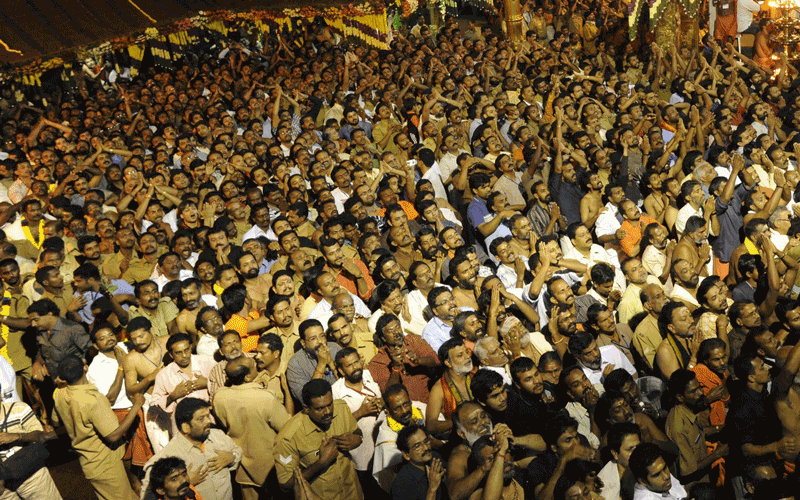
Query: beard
x=251 y=274
x=471 y=437
x=464 y=369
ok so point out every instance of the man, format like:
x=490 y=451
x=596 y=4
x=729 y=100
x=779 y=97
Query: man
x=563 y=446
x=186 y=376
x=693 y=246
x=526 y=406
x=544 y=215
x=633 y=226
x=94 y=429
x=478 y=212
x=140 y=268
x=452 y=388
x=257 y=285
x=679 y=331
x=714 y=321
x=598 y=362
x=390 y=297
x=107 y=374
x=406 y=360
x=245 y=319
x=230 y=348
x=647 y=336
x=630 y=304
x=55 y=290
x=88 y=286
x=658 y=254
x=695 y=204
x=56 y=338
x=246 y=409
x=421 y=476
x=565 y=190
x=125 y=241
x=511 y=269
x=193 y=303
x=443 y=305
x=209 y=453
x=363 y=397
x=685 y=279
x=464 y=273
x=585 y=252
x=324 y=288
x=351 y=274
x=160 y=311
x=29 y=226
x=169 y=480
x=616 y=475
x=491 y=357
x=653 y=479
x=583 y=398
x=752 y=421
x=401 y=411
x=318 y=440
x=608 y=227
x=314 y=360
x=279 y=310
x=345 y=335
x=685 y=430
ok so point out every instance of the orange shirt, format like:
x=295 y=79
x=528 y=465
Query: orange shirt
x=239 y=325
x=633 y=234
x=407 y=207
x=349 y=283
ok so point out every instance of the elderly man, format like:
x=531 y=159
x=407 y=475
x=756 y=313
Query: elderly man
x=598 y=362
x=491 y=356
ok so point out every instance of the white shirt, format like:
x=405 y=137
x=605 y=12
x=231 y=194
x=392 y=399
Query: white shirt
x=744 y=13
x=387 y=456
x=607 y=223
x=609 y=474
x=609 y=355
x=676 y=492
x=256 y=231
x=324 y=307
x=8 y=379
x=434 y=174
x=363 y=454
x=102 y=372
x=683 y=215
x=502 y=371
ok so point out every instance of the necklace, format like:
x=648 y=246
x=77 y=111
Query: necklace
x=160 y=355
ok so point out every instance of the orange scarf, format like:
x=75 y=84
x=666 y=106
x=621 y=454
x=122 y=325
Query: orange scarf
x=709 y=380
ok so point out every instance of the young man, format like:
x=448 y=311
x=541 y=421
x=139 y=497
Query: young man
x=319 y=440
x=653 y=479
x=94 y=429
x=421 y=476
x=616 y=475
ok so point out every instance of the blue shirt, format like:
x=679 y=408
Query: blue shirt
x=436 y=333
x=476 y=212
x=568 y=196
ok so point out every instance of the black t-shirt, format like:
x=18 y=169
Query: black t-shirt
x=541 y=470
x=411 y=483
x=526 y=414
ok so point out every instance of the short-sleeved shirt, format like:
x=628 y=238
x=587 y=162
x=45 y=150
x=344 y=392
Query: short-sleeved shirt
x=88 y=417
x=164 y=314
x=138 y=270
x=686 y=430
x=66 y=338
x=414 y=378
x=102 y=372
x=301 y=369
x=172 y=375
x=298 y=443
x=476 y=212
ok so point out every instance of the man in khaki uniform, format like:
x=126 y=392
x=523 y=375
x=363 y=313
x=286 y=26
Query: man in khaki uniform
x=92 y=426
x=141 y=268
x=162 y=312
x=247 y=409
x=318 y=440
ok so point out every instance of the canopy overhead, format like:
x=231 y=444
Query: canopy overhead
x=35 y=28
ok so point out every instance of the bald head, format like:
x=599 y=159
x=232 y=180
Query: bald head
x=241 y=370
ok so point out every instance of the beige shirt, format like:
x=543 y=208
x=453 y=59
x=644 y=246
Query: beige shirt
x=248 y=410
x=299 y=442
x=88 y=417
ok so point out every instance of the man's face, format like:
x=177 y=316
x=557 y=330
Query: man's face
x=314 y=340
x=590 y=357
x=399 y=408
x=562 y=293
x=341 y=331
x=687 y=276
x=182 y=353
x=200 y=425
x=212 y=322
x=495 y=356
x=33 y=212
x=466 y=275
x=475 y=422
x=446 y=307
x=717 y=360
x=352 y=368
x=320 y=411
x=419 y=448
x=629 y=443
x=231 y=347
x=148 y=244
x=248 y=267
x=658 y=477
x=105 y=340
x=580 y=389
x=176 y=484
x=453 y=239
x=218 y=240
x=328 y=286
x=530 y=382
x=683 y=325
x=583 y=238
x=459 y=360
x=10 y=274
x=497 y=400
x=635 y=272
x=149 y=296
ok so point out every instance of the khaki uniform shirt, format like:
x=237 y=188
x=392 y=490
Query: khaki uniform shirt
x=17 y=354
x=111 y=266
x=62 y=299
x=165 y=313
x=685 y=429
x=646 y=340
x=138 y=270
x=306 y=229
x=299 y=442
x=88 y=417
x=248 y=410
x=288 y=343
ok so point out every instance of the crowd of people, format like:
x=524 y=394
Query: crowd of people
x=453 y=269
